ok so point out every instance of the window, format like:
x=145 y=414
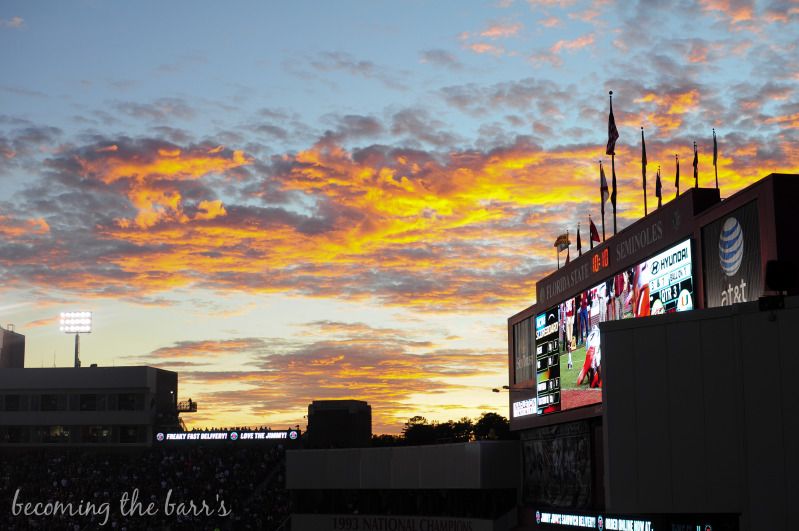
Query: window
x=12 y=402
x=88 y=402
x=54 y=402
x=131 y=401
x=95 y=434
x=129 y=434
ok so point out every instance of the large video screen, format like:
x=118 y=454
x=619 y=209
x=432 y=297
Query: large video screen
x=661 y=284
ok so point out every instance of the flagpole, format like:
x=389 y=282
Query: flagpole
x=715 y=157
x=613 y=168
x=677 y=180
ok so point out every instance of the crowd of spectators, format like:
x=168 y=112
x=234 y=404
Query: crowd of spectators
x=237 y=428
x=247 y=482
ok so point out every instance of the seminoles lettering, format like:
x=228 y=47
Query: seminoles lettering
x=565 y=282
x=639 y=241
x=667 y=262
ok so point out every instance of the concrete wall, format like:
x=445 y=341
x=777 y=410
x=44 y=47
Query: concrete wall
x=700 y=414
x=475 y=465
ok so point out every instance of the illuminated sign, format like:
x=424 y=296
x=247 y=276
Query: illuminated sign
x=567 y=338
x=522 y=408
x=626 y=524
x=732 y=265
x=651 y=522
x=600 y=261
x=547 y=361
x=227 y=436
x=566 y=520
x=670 y=280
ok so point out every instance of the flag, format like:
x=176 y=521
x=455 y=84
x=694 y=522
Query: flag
x=659 y=189
x=579 y=243
x=643 y=158
x=677 y=176
x=715 y=149
x=567 y=255
x=603 y=187
x=562 y=242
x=593 y=231
x=613 y=133
x=696 y=167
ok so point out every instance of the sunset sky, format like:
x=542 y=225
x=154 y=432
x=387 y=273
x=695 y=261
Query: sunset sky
x=290 y=201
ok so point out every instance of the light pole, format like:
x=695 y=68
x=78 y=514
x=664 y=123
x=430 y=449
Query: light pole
x=76 y=323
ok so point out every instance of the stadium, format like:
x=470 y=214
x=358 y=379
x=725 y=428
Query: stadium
x=619 y=415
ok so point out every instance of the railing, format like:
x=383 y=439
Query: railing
x=187 y=406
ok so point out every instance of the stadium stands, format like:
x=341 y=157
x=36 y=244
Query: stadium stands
x=249 y=480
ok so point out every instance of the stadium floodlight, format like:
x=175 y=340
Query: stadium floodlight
x=76 y=323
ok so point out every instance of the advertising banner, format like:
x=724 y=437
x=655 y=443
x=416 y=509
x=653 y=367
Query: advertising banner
x=732 y=268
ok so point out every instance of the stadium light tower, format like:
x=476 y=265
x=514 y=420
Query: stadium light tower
x=76 y=323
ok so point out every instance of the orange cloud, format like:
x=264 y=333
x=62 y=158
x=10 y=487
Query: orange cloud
x=497 y=31
x=669 y=108
x=698 y=53
x=550 y=22
x=42 y=322
x=737 y=11
x=786 y=122
x=572 y=45
x=387 y=368
x=483 y=48
x=470 y=231
x=149 y=178
x=16 y=228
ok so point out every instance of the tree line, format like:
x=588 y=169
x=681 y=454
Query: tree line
x=489 y=426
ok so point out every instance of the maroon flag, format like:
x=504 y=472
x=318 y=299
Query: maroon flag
x=579 y=243
x=593 y=231
x=696 y=167
x=677 y=177
x=603 y=187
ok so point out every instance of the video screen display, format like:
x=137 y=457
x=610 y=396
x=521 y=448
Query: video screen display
x=661 y=284
x=547 y=361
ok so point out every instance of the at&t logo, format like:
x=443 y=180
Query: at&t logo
x=731 y=246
